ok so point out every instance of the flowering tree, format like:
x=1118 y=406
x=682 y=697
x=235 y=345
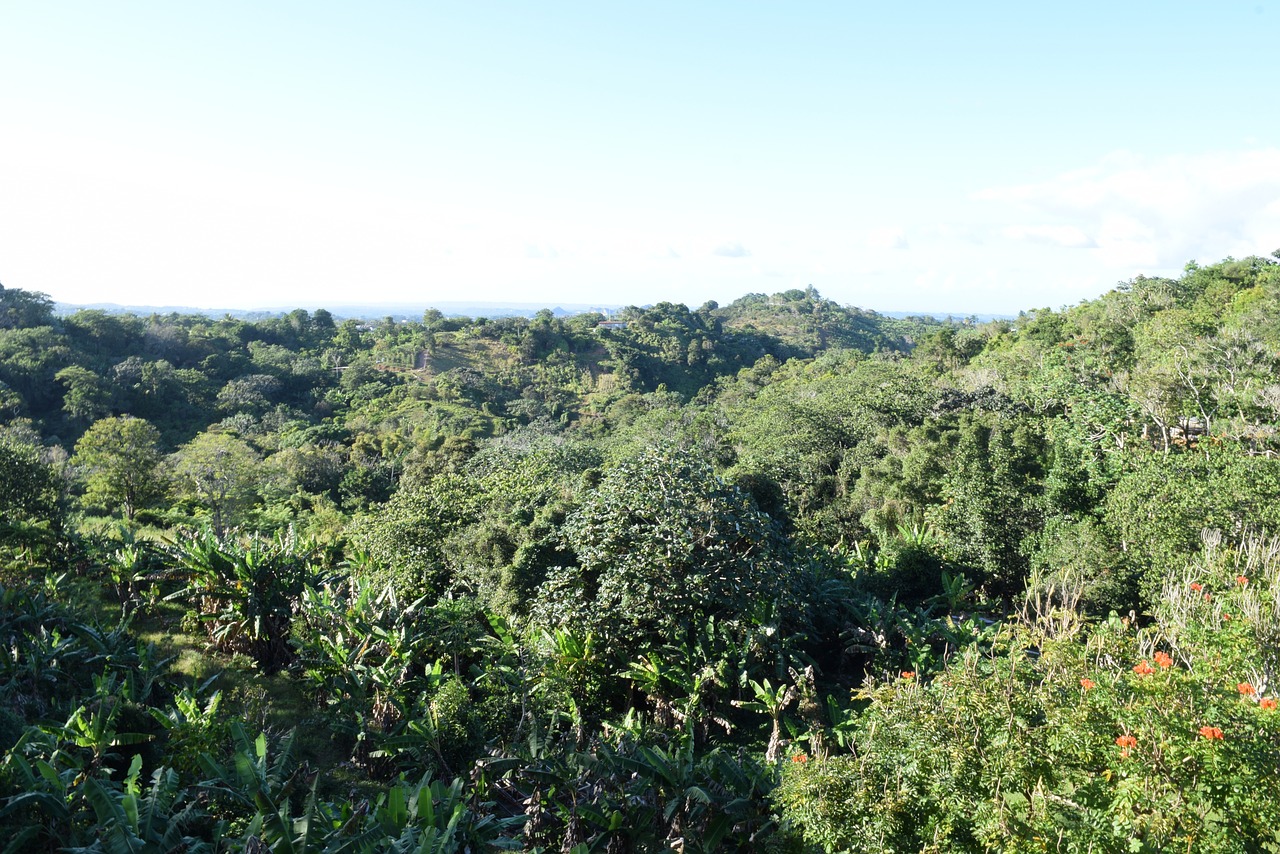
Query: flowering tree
x=1103 y=737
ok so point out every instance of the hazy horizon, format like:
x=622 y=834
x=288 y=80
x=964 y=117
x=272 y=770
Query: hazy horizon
x=927 y=158
x=407 y=308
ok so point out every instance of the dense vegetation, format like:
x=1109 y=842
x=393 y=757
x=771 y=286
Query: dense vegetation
x=779 y=575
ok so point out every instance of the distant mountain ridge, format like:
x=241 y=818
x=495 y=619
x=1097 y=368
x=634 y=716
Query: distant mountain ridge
x=360 y=311
x=414 y=311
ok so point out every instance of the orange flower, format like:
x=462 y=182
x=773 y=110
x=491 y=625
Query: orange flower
x=1197 y=586
x=1164 y=659
x=799 y=757
x=908 y=674
x=1226 y=617
x=1268 y=704
x=1246 y=689
x=1143 y=669
x=1211 y=733
x=1242 y=580
x=1126 y=743
x=1088 y=684
x=1206 y=597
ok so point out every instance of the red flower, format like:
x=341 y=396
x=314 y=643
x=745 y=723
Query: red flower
x=1242 y=580
x=1197 y=586
x=1268 y=704
x=908 y=674
x=1226 y=617
x=1088 y=684
x=1211 y=733
x=1246 y=689
x=1206 y=597
x=799 y=757
x=1164 y=659
x=1143 y=669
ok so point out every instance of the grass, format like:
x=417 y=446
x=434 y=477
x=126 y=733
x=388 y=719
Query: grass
x=273 y=704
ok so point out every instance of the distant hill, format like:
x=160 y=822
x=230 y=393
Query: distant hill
x=454 y=308
x=803 y=323
x=360 y=311
x=947 y=316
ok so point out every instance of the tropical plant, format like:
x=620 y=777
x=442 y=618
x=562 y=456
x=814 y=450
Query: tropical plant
x=246 y=590
x=1105 y=737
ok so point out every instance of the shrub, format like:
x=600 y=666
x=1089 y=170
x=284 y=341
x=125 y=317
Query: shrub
x=1100 y=737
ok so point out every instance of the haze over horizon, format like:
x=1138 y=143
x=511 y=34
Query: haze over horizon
x=935 y=158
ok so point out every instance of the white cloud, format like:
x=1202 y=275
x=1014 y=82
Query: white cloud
x=732 y=249
x=1057 y=235
x=535 y=250
x=888 y=237
x=1135 y=211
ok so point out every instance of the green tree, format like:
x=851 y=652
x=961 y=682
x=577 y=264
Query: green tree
x=88 y=395
x=120 y=458
x=254 y=394
x=103 y=338
x=21 y=309
x=663 y=545
x=28 y=484
x=29 y=360
x=218 y=472
x=406 y=537
x=992 y=504
x=1160 y=504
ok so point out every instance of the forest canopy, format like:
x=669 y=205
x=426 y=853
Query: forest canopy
x=779 y=575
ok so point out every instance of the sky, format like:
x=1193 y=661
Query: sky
x=981 y=157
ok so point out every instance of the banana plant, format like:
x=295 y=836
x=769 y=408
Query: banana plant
x=772 y=701
x=956 y=591
x=41 y=651
x=193 y=724
x=129 y=822
x=62 y=773
x=574 y=667
x=260 y=785
x=369 y=661
x=434 y=818
x=129 y=568
x=49 y=780
x=246 y=590
x=677 y=799
x=430 y=817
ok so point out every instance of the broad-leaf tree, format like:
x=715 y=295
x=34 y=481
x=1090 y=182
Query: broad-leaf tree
x=663 y=545
x=219 y=472
x=28 y=485
x=120 y=459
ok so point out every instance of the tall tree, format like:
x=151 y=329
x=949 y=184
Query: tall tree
x=992 y=502
x=20 y=309
x=662 y=546
x=28 y=485
x=120 y=458
x=88 y=395
x=217 y=471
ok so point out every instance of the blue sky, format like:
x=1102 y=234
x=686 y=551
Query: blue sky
x=982 y=157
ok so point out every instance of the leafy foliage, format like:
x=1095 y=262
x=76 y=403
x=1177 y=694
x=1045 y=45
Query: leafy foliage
x=246 y=591
x=662 y=546
x=121 y=461
x=564 y=584
x=1102 y=736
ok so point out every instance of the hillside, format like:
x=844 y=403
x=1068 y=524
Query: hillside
x=780 y=575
